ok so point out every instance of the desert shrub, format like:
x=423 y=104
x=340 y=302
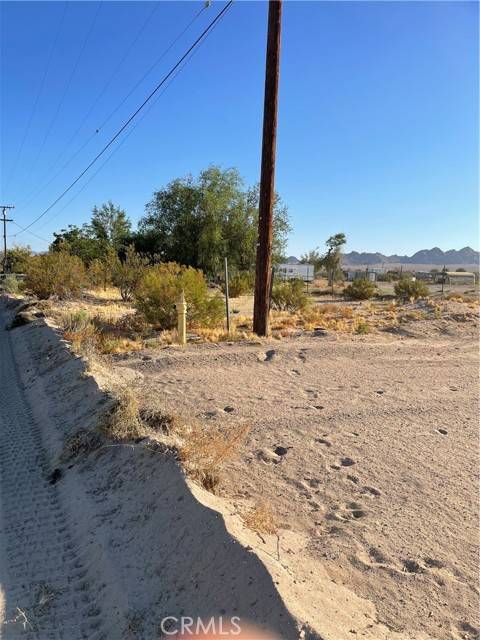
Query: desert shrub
x=240 y=284
x=55 y=274
x=406 y=289
x=9 y=284
x=95 y=274
x=123 y=421
x=74 y=321
x=362 y=327
x=160 y=288
x=128 y=273
x=361 y=289
x=205 y=450
x=289 y=296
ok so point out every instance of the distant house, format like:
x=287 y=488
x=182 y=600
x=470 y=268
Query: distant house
x=455 y=277
x=295 y=270
x=426 y=276
x=371 y=273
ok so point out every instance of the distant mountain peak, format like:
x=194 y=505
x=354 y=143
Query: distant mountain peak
x=434 y=256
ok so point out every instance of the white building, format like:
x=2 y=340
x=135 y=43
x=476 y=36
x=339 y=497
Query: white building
x=292 y=270
x=370 y=273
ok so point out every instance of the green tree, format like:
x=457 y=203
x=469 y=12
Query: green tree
x=196 y=222
x=77 y=241
x=333 y=256
x=313 y=257
x=110 y=225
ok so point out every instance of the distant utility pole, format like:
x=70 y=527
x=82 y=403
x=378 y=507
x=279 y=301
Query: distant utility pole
x=5 y=208
x=267 y=179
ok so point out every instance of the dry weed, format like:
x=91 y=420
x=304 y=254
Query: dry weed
x=261 y=519
x=123 y=422
x=82 y=442
x=204 y=450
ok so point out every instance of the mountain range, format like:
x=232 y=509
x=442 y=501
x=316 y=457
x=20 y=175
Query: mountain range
x=434 y=256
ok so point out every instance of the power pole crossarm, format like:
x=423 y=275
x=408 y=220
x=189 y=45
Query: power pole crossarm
x=5 y=208
x=267 y=179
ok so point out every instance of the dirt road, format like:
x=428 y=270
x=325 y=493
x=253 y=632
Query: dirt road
x=42 y=582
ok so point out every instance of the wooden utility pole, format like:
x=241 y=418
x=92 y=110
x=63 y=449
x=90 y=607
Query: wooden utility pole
x=5 y=208
x=267 y=178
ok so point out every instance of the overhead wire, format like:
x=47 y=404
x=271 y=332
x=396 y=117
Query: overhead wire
x=33 y=194
x=136 y=112
x=37 y=99
x=32 y=233
x=125 y=138
x=65 y=91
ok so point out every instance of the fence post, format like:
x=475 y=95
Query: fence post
x=227 y=298
x=182 y=319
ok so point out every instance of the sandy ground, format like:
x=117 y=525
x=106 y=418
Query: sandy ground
x=374 y=485
x=381 y=473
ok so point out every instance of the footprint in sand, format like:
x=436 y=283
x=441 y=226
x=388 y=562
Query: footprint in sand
x=432 y=563
x=296 y=372
x=356 y=510
x=327 y=443
x=302 y=355
x=412 y=566
x=267 y=356
x=377 y=556
x=371 y=491
x=351 y=511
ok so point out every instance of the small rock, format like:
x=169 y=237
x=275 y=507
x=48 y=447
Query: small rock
x=281 y=451
x=229 y=409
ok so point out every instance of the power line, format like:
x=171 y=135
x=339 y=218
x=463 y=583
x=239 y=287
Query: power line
x=152 y=67
x=125 y=138
x=33 y=195
x=65 y=91
x=32 y=233
x=35 y=105
x=147 y=99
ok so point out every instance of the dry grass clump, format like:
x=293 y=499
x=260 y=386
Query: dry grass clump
x=160 y=421
x=261 y=519
x=207 y=334
x=108 y=345
x=82 y=442
x=123 y=422
x=204 y=450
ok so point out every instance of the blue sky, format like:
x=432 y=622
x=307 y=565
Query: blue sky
x=378 y=131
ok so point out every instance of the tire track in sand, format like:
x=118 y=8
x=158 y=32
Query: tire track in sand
x=44 y=581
